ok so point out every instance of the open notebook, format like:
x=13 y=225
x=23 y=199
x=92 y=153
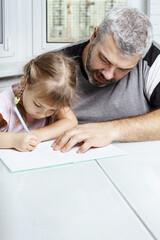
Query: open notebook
x=45 y=156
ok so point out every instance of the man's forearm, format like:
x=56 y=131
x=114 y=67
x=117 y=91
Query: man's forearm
x=140 y=128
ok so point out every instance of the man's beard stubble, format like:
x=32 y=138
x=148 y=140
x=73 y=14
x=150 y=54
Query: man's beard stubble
x=90 y=72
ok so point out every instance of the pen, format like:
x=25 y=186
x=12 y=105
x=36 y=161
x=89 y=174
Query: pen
x=21 y=120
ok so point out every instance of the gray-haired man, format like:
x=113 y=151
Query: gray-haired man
x=118 y=83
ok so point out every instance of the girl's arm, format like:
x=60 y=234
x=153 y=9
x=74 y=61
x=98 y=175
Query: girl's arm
x=65 y=119
x=21 y=141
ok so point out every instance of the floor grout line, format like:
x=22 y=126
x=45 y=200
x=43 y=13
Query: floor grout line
x=125 y=199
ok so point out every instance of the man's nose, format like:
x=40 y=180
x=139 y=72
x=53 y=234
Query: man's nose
x=108 y=73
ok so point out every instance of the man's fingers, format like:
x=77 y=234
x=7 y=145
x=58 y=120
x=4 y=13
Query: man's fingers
x=71 y=142
x=62 y=140
x=85 y=146
x=65 y=137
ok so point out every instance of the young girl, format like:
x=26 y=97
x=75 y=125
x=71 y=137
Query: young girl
x=44 y=95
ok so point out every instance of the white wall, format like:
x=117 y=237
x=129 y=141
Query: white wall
x=140 y=4
x=154 y=14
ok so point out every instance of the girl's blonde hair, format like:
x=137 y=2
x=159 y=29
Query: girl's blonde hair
x=53 y=76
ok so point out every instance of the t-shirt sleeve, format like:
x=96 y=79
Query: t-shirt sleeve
x=4 y=115
x=152 y=83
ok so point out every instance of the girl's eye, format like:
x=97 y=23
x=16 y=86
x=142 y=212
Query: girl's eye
x=37 y=105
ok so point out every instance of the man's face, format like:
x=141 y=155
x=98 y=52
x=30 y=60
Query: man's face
x=105 y=64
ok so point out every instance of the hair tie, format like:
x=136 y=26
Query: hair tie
x=16 y=100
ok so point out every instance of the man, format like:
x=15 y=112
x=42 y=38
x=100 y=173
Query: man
x=118 y=83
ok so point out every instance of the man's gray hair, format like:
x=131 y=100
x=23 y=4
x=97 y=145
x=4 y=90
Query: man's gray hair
x=131 y=29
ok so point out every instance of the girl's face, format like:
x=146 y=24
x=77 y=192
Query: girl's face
x=34 y=106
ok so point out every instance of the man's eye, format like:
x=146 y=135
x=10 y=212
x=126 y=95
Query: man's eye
x=104 y=60
x=123 y=70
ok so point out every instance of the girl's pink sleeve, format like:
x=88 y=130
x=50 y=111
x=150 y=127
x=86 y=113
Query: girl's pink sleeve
x=3 y=115
x=3 y=122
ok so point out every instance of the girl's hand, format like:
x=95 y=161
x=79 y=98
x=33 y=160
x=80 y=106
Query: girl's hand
x=25 y=142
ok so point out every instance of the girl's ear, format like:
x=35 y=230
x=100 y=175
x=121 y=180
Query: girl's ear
x=94 y=35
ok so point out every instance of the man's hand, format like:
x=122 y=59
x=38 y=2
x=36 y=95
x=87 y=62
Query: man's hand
x=90 y=135
x=25 y=142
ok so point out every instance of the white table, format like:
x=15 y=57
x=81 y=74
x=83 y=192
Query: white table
x=137 y=177
x=75 y=202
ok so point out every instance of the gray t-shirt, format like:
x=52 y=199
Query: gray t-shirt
x=136 y=94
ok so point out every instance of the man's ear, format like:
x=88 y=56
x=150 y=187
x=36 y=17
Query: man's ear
x=94 y=35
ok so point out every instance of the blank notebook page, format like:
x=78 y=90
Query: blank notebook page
x=45 y=156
